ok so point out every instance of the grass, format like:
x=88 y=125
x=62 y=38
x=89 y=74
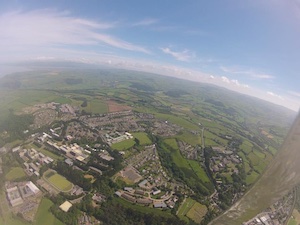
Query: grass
x=44 y=216
x=292 y=222
x=96 y=106
x=250 y=179
x=123 y=145
x=143 y=138
x=59 y=182
x=190 y=138
x=172 y=143
x=50 y=154
x=197 y=212
x=246 y=147
x=199 y=171
x=185 y=207
x=15 y=173
x=177 y=120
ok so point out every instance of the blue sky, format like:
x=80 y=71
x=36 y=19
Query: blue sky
x=249 y=46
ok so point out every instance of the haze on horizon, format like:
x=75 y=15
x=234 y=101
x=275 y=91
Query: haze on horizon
x=250 y=47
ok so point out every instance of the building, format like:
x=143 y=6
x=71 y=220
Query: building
x=69 y=162
x=14 y=196
x=159 y=205
x=65 y=206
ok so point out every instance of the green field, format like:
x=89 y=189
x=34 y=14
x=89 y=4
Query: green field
x=197 y=212
x=189 y=138
x=96 y=106
x=185 y=207
x=199 y=171
x=143 y=138
x=123 y=145
x=58 y=181
x=44 y=216
x=252 y=177
x=177 y=120
x=15 y=173
x=292 y=222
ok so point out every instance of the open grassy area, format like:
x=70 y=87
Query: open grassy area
x=123 y=145
x=197 y=212
x=58 y=181
x=96 y=106
x=44 y=216
x=251 y=178
x=143 y=138
x=185 y=207
x=190 y=138
x=15 y=173
x=177 y=120
x=199 y=171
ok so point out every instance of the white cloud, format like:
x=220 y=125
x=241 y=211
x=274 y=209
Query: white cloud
x=294 y=93
x=145 y=22
x=225 y=80
x=184 y=56
x=275 y=95
x=236 y=82
x=26 y=32
x=251 y=73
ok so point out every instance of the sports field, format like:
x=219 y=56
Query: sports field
x=58 y=181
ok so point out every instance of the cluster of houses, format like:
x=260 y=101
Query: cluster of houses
x=33 y=160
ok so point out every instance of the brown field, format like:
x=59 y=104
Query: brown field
x=115 y=107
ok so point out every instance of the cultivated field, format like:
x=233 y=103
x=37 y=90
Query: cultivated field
x=197 y=212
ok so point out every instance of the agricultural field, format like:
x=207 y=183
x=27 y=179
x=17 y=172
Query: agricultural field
x=252 y=178
x=123 y=145
x=15 y=173
x=192 y=210
x=200 y=172
x=189 y=138
x=197 y=212
x=185 y=207
x=43 y=216
x=143 y=138
x=57 y=181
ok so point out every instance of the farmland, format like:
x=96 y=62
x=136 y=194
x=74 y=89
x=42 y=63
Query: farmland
x=192 y=210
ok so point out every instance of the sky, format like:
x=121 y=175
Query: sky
x=249 y=46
